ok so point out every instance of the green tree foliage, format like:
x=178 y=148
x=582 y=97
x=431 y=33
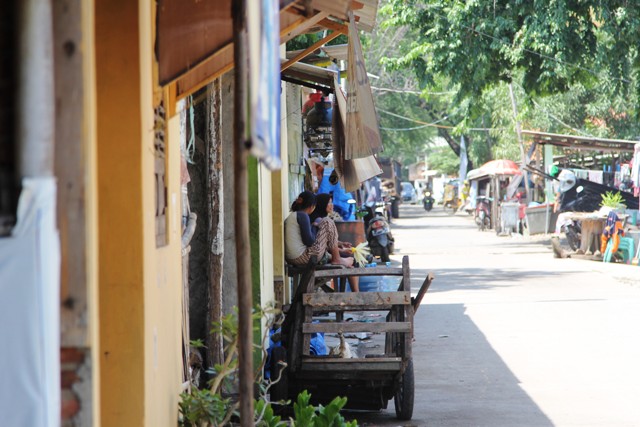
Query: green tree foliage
x=573 y=65
x=443 y=160
x=553 y=43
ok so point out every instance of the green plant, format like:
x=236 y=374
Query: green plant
x=612 y=200
x=322 y=416
x=212 y=407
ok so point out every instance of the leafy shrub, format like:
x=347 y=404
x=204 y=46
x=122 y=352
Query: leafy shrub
x=211 y=408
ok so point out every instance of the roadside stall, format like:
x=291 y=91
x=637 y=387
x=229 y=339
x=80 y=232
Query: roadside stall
x=490 y=186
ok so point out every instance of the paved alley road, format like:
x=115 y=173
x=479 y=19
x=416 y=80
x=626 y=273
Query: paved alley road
x=509 y=336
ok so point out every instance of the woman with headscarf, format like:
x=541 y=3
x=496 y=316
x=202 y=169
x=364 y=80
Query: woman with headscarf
x=302 y=240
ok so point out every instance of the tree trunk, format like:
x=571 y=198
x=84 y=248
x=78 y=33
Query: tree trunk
x=444 y=133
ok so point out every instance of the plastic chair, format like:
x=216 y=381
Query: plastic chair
x=626 y=248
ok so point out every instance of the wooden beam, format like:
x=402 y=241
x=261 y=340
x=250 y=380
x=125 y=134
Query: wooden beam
x=338 y=327
x=205 y=72
x=300 y=26
x=373 y=271
x=310 y=49
x=333 y=25
x=375 y=299
x=241 y=207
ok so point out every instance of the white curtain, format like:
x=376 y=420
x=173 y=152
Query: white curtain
x=29 y=311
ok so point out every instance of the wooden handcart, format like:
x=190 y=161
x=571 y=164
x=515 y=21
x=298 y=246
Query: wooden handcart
x=368 y=382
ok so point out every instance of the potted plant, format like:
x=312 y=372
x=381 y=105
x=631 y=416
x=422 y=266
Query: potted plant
x=613 y=202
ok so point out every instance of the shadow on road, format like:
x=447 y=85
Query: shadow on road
x=480 y=278
x=453 y=360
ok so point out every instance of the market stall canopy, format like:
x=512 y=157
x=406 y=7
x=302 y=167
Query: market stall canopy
x=584 y=143
x=194 y=39
x=495 y=167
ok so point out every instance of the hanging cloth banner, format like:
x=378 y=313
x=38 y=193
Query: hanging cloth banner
x=363 y=133
x=351 y=172
x=265 y=84
x=462 y=173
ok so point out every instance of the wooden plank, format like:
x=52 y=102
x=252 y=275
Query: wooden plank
x=372 y=271
x=423 y=290
x=205 y=72
x=72 y=163
x=299 y=26
x=310 y=49
x=339 y=360
x=407 y=312
x=333 y=25
x=357 y=299
x=375 y=327
x=354 y=367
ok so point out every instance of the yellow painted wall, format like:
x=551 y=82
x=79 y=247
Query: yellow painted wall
x=140 y=297
x=163 y=266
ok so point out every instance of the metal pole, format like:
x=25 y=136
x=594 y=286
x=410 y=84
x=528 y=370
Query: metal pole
x=241 y=205
x=35 y=93
x=525 y=175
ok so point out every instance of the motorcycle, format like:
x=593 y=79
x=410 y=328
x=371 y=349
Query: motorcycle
x=573 y=232
x=427 y=201
x=378 y=233
x=483 y=213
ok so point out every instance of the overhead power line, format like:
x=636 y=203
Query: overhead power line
x=413 y=92
x=434 y=124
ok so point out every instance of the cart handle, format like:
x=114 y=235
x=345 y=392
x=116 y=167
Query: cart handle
x=415 y=301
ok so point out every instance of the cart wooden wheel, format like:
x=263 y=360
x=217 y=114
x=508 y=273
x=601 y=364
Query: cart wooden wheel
x=280 y=390
x=404 y=396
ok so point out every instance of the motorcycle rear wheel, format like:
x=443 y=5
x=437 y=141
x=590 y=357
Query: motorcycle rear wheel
x=573 y=238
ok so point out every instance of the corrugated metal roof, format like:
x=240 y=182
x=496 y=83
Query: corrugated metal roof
x=586 y=143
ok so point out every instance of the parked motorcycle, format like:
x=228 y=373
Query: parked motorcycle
x=378 y=233
x=483 y=213
x=573 y=232
x=428 y=201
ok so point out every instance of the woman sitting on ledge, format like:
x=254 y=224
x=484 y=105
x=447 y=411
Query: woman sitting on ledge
x=324 y=211
x=302 y=240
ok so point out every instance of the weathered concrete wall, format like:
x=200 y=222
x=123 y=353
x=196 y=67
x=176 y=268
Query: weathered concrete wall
x=197 y=192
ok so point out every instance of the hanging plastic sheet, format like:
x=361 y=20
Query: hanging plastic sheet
x=586 y=196
x=29 y=311
x=363 y=134
x=356 y=171
x=265 y=90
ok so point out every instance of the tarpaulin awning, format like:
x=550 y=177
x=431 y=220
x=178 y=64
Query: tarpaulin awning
x=495 y=167
x=352 y=172
x=363 y=134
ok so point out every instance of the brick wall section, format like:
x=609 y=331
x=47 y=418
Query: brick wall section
x=71 y=360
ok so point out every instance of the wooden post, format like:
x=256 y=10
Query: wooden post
x=241 y=205
x=215 y=345
x=525 y=174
